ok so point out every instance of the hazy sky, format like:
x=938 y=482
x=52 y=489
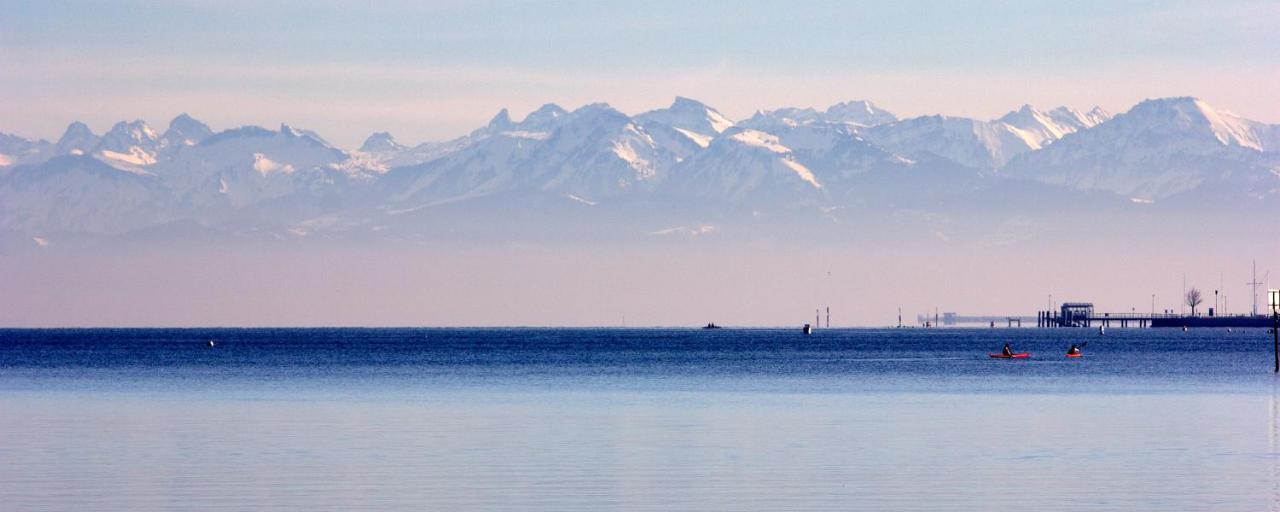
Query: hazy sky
x=434 y=70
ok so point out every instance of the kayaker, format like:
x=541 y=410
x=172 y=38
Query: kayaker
x=1008 y=352
x=1074 y=350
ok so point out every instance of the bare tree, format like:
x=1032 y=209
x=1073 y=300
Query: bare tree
x=1193 y=299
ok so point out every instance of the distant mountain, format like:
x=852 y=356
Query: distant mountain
x=381 y=142
x=15 y=150
x=857 y=113
x=591 y=153
x=1042 y=128
x=596 y=166
x=79 y=193
x=970 y=142
x=78 y=139
x=862 y=113
x=695 y=120
x=132 y=143
x=184 y=131
x=1161 y=148
x=746 y=166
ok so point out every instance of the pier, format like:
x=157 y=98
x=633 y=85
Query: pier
x=1081 y=314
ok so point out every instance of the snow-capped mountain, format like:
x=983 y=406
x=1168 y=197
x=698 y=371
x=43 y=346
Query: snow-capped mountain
x=132 y=144
x=381 y=142
x=857 y=113
x=78 y=139
x=838 y=155
x=591 y=153
x=970 y=142
x=691 y=118
x=79 y=193
x=746 y=166
x=851 y=157
x=184 y=131
x=1158 y=149
x=685 y=128
x=1042 y=128
x=243 y=166
x=861 y=113
x=15 y=150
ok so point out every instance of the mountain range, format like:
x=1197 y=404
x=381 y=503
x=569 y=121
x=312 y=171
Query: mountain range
x=667 y=170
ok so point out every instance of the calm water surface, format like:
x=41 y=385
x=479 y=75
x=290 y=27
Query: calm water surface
x=544 y=419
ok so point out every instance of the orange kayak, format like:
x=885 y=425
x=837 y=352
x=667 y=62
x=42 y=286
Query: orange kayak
x=1020 y=355
x=1074 y=355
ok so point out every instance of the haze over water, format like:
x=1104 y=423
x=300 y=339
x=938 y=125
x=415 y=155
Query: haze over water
x=588 y=419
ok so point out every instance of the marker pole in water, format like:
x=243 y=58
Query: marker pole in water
x=1273 y=300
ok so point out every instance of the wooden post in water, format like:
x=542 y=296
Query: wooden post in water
x=1273 y=300
x=1275 y=335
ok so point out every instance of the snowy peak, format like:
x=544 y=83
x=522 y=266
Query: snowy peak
x=381 y=142
x=15 y=150
x=1190 y=116
x=545 y=118
x=969 y=142
x=746 y=166
x=136 y=132
x=1159 y=148
x=860 y=112
x=691 y=119
x=857 y=113
x=685 y=127
x=78 y=139
x=500 y=122
x=185 y=130
x=1097 y=116
x=131 y=143
x=308 y=135
x=1040 y=128
x=781 y=119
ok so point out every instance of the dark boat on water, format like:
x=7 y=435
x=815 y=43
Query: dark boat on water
x=711 y=325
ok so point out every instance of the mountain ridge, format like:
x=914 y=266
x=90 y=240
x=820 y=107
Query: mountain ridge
x=852 y=153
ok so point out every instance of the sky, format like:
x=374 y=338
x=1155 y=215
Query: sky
x=436 y=70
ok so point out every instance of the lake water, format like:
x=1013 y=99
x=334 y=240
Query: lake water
x=637 y=419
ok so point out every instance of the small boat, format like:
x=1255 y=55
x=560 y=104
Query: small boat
x=1019 y=355
x=807 y=330
x=1077 y=354
x=210 y=343
x=711 y=325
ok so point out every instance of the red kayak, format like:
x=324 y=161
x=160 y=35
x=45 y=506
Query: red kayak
x=1074 y=355
x=1020 y=355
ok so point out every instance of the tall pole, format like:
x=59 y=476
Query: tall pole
x=1273 y=300
x=1254 y=287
